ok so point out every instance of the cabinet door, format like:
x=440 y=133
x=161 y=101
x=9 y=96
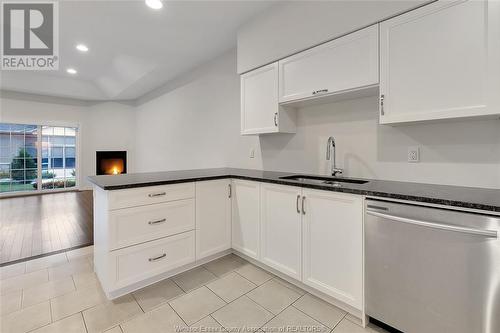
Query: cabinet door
x=245 y=217
x=344 y=64
x=259 y=100
x=281 y=228
x=260 y=111
x=441 y=61
x=213 y=217
x=333 y=248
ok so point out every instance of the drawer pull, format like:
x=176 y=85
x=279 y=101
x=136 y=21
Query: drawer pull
x=158 y=258
x=157 y=221
x=322 y=91
x=153 y=195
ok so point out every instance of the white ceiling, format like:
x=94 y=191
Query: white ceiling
x=133 y=49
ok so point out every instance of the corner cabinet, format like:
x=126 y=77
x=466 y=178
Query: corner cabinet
x=346 y=64
x=333 y=245
x=260 y=111
x=213 y=217
x=441 y=61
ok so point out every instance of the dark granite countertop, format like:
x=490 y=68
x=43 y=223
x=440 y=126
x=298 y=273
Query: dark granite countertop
x=456 y=196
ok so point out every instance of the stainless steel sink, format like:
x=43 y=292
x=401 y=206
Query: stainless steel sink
x=333 y=181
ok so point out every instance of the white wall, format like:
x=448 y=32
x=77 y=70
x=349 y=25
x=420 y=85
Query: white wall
x=194 y=121
x=292 y=26
x=105 y=126
x=108 y=126
x=465 y=153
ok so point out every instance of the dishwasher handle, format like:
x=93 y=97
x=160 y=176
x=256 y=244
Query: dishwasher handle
x=434 y=225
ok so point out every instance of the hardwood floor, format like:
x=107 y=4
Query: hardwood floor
x=40 y=224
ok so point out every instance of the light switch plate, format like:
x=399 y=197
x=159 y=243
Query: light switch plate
x=413 y=154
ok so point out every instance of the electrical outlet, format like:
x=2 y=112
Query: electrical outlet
x=252 y=153
x=413 y=154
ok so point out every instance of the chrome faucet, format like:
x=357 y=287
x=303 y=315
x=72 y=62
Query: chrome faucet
x=330 y=145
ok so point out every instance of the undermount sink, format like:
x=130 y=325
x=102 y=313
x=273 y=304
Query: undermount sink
x=334 y=181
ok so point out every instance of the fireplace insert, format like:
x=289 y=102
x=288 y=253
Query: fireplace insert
x=111 y=162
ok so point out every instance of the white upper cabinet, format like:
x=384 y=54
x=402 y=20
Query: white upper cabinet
x=245 y=217
x=345 y=64
x=260 y=112
x=281 y=228
x=213 y=217
x=333 y=245
x=441 y=61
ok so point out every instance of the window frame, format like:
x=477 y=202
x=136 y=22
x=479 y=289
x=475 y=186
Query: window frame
x=39 y=189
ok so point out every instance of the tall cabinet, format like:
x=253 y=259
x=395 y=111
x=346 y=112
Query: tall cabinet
x=441 y=61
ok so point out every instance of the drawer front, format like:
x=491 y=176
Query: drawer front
x=136 y=225
x=149 y=195
x=137 y=263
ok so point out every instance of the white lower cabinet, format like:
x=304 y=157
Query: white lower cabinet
x=213 y=217
x=142 y=234
x=281 y=228
x=312 y=236
x=333 y=245
x=136 y=263
x=245 y=217
x=135 y=225
x=315 y=237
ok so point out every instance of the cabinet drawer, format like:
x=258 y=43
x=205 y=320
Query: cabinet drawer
x=136 y=225
x=137 y=263
x=149 y=195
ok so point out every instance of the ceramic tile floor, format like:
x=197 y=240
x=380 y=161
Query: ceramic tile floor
x=61 y=293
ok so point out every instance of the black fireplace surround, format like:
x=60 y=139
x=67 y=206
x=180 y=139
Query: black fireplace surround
x=111 y=162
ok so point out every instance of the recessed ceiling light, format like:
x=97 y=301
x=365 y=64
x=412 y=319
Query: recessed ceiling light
x=155 y=4
x=82 y=47
x=71 y=71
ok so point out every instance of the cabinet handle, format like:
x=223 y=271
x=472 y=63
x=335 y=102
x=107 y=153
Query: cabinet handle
x=321 y=91
x=230 y=191
x=157 y=221
x=297 y=203
x=152 y=195
x=276 y=119
x=158 y=258
x=382 y=97
x=303 y=204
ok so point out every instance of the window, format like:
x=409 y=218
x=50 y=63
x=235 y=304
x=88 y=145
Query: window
x=20 y=154
x=18 y=157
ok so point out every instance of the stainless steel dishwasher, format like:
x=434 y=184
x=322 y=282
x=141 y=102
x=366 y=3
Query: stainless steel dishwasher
x=432 y=270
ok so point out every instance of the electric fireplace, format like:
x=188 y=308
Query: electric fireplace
x=111 y=162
